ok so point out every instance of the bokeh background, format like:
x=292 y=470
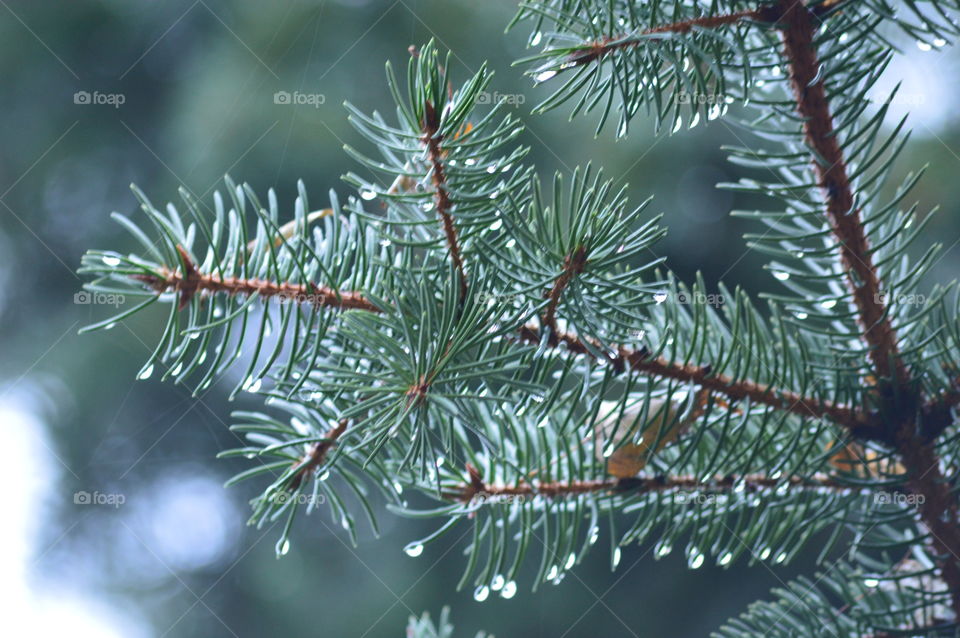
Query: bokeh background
x=197 y=80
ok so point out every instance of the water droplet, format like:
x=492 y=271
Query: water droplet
x=509 y=590
x=662 y=548
x=829 y=303
x=497 y=225
x=146 y=372
x=481 y=593
x=492 y=169
x=177 y=369
x=111 y=261
x=713 y=112
x=660 y=297
x=677 y=124
x=426 y=206
x=545 y=75
x=939 y=42
x=398 y=487
x=844 y=37
x=779 y=275
x=782 y=556
x=923 y=46
x=765 y=553
x=594 y=535
x=497 y=583
x=367 y=194
x=218 y=312
x=110 y=326
x=801 y=315
x=725 y=558
x=535 y=40
x=413 y=549
x=385 y=242
x=696 y=559
x=571 y=559
x=324 y=475
x=255 y=386
x=511 y=243
x=617 y=555
x=871 y=582
x=695 y=120
x=622 y=130
x=554 y=571
x=283 y=547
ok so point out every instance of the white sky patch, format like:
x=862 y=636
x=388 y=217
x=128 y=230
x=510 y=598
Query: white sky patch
x=31 y=606
x=926 y=92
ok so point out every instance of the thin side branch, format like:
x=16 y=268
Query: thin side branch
x=317 y=455
x=477 y=489
x=573 y=265
x=601 y=48
x=641 y=361
x=190 y=282
x=441 y=198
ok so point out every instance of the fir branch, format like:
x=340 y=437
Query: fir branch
x=320 y=297
x=937 y=508
x=573 y=265
x=432 y=140
x=191 y=281
x=317 y=455
x=830 y=168
x=593 y=51
x=735 y=390
x=751 y=483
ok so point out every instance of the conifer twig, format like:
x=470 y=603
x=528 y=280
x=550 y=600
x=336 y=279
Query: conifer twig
x=749 y=483
x=431 y=126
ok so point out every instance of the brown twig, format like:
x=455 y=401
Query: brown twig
x=476 y=487
x=600 y=48
x=641 y=361
x=432 y=140
x=573 y=265
x=831 y=171
x=190 y=281
x=317 y=455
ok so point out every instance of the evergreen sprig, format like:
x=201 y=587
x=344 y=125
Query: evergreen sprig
x=460 y=346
